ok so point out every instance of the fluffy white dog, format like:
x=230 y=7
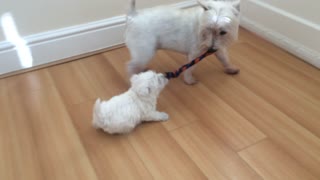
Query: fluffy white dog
x=214 y=24
x=124 y=112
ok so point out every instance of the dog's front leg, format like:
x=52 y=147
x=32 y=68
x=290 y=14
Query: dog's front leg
x=156 y=116
x=223 y=57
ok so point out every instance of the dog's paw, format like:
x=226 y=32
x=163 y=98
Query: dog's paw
x=190 y=80
x=163 y=116
x=232 y=70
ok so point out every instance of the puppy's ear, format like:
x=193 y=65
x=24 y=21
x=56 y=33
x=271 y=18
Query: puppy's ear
x=144 y=91
x=139 y=86
x=204 y=4
x=133 y=78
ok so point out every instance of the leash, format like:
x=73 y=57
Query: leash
x=176 y=73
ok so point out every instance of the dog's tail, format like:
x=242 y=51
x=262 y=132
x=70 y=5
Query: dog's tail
x=132 y=8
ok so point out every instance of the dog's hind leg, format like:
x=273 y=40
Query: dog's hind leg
x=223 y=57
x=140 y=56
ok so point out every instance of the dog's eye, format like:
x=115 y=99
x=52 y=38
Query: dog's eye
x=223 y=33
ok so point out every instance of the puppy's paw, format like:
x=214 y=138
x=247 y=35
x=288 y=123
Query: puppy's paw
x=190 y=80
x=163 y=116
x=232 y=70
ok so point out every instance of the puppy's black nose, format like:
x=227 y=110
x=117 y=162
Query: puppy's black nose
x=223 y=33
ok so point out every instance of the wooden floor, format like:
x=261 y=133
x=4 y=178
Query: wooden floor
x=261 y=124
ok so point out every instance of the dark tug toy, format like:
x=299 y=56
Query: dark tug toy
x=176 y=73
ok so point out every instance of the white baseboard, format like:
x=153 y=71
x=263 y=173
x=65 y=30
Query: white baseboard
x=292 y=33
x=68 y=43
x=65 y=43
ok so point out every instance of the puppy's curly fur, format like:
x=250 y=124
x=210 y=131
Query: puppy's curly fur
x=190 y=31
x=122 y=113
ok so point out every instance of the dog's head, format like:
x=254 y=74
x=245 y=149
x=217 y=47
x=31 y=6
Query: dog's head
x=148 y=83
x=220 y=21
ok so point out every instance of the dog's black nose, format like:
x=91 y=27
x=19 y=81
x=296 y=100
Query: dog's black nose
x=223 y=33
x=212 y=50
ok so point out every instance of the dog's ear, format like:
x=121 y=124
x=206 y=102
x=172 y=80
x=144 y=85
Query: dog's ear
x=204 y=4
x=236 y=5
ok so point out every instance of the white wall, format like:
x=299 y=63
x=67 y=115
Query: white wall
x=36 y=16
x=1 y=35
x=291 y=24
x=51 y=32
x=307 y=9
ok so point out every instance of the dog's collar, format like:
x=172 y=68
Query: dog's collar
x=176 y=73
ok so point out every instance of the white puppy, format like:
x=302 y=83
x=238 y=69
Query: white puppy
x=122 y=113
x=214 y=24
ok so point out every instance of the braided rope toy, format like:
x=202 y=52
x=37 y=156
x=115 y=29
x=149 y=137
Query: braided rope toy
x=176 y=73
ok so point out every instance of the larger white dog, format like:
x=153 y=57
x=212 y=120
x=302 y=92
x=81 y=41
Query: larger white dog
x=190 y=31
x=122 y=113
